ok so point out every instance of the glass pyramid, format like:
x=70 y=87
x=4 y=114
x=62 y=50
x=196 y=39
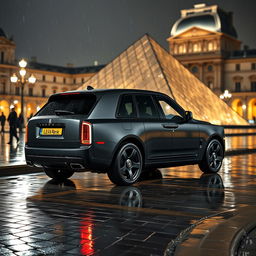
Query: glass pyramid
x=146 y=65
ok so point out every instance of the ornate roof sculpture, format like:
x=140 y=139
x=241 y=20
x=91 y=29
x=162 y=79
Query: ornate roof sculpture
x=146 y=65
x=211 y=18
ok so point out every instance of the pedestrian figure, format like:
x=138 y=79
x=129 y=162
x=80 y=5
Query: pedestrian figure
x=2 y=119
x=20 y=122
x=12 y=119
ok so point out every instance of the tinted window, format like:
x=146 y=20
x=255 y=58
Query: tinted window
x=126 y=107
x=78 y=104
x=168 y=111
x=146 y=107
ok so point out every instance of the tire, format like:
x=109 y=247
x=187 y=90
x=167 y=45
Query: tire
x=213 y=157
x=127 y=165
x=58 y=174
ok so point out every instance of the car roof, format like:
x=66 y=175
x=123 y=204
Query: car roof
x=111 y=91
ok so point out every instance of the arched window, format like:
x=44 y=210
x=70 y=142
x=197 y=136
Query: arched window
x=237 y=106
x=194 y=69
x=210 y=68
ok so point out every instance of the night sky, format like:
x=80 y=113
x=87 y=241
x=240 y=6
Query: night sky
x=82 y=31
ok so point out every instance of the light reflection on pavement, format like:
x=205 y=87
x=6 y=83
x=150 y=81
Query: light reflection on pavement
x=87 y=215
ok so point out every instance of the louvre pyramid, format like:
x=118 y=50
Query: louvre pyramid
x=146 y=65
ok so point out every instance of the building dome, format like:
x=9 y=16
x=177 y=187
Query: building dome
x=2 y=34
x=207 y=17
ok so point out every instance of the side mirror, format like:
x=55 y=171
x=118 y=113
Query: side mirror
x=188 y=115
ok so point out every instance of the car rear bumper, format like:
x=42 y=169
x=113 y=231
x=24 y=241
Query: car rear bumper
x=77 y=158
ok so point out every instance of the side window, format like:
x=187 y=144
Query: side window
x=126 y=107
x=146 y=107
x=168 y=111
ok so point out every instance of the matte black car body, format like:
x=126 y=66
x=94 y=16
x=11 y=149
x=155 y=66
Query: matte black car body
x=159 y=141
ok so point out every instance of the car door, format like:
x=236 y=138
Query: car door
x=183 y=136
x=157 y=138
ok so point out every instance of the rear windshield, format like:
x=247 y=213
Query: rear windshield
x=76 y=104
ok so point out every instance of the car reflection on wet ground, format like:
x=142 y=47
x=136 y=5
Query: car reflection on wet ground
x=88 y=215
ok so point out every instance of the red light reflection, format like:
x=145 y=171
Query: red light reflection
x=86 y=236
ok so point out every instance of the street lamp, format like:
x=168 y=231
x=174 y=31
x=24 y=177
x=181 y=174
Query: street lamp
x=22 y=80
x=226 y=95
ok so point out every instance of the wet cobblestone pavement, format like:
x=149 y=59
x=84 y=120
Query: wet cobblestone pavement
x=87 y=215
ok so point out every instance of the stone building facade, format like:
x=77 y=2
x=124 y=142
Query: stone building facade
x=205 y=41
x=50 y=79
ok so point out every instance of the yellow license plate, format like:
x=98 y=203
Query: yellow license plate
x=51 y=131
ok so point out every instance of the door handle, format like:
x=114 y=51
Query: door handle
x=170 y=126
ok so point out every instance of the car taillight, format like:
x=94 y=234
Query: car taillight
x=86 y=133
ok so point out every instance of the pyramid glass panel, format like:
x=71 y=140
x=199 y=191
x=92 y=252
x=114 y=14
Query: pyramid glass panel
x=146 y=65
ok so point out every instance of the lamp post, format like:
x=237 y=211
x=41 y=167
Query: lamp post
x=226 y=95
x=21 y=78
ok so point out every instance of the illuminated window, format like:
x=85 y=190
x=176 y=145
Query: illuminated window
x=210 y=46
x=196 y=48
x=182 y=49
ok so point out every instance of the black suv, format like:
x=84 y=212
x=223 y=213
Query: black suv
x=119 y=131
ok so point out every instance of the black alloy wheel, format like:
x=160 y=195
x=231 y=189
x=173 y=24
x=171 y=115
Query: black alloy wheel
x=213 y=157
x=58 y=174
x=127 y=165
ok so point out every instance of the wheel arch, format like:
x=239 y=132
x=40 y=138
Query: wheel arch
x=217 y=137
x=130 y=139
